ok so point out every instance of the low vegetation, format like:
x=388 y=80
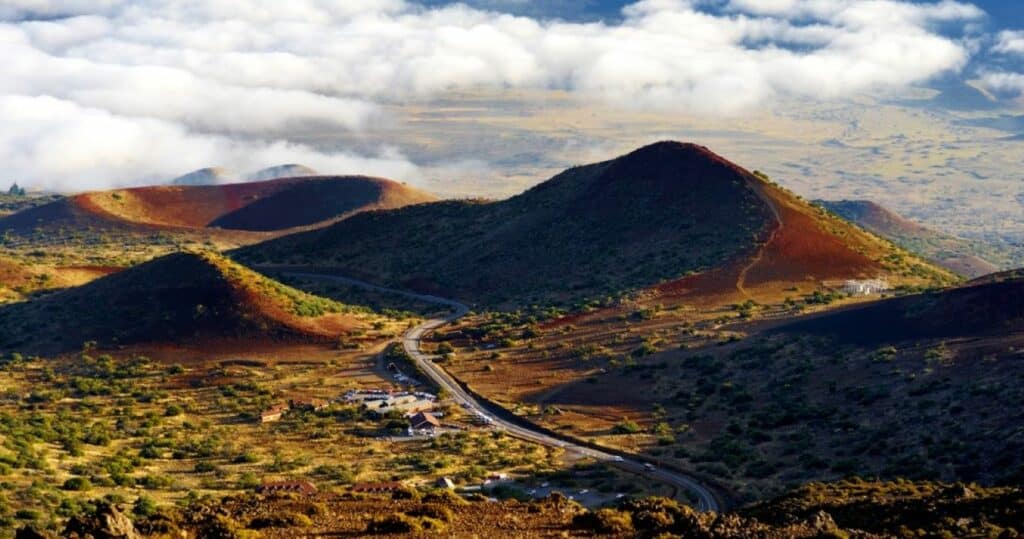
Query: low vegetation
x=846 y=509
x=154 y=436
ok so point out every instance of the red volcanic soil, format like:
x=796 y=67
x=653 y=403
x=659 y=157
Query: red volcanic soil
x=312 y=200
x=801 y=246
x=800 y=249
x=12 y=273
x=258 y=206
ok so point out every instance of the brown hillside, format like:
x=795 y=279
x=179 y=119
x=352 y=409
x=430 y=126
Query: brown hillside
x=183 y=297
x=968 y=265
x=874 y=217
x=853 y=508
x=964 y=257
x=922 y=386
x=257 y=206
x=18 y=278
x=803 y=247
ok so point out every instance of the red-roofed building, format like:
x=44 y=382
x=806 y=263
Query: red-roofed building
x=377 y=487
x=301 y=487
x=273 y=413
x=424 y=421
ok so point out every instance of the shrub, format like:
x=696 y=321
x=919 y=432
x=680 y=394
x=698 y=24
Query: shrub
x=604 y=521
x=245 y=458
x=445 y=497
x=626 y=427
x=248 y=480
x=436 y=512
x=405 y=493
x=284 y=519
x=394 y=523
x=77 y=483
x=153 y=482
x=28 y=514
x=204 y=467
x=144 y=507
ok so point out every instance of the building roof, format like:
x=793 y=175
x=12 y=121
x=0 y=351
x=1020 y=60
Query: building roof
x=423 y=419
x=308 y=402
x=377 y=487
x=304 y=487
x=276 y=409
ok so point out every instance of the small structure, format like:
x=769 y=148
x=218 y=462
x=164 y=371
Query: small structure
x=309 y=403
x=273 y=413
x=495 y=477
x=424 y=421
x=865 y=287
x=300 y=487
x=445 y=483
x=377 y=487
x=400 y=402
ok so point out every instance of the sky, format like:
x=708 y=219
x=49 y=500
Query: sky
x=486 y=97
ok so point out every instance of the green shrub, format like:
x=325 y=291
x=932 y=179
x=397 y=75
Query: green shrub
x=144 y=507
x=284 y=519
x=436 y=512
x=394 y=523
x=77 y=483
x=604 y=521
x=626 y=427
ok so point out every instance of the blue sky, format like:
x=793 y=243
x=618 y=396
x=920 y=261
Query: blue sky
x=1004 y=13
x=1001 y=16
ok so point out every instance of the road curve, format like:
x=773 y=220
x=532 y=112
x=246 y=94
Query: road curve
x=706 y=499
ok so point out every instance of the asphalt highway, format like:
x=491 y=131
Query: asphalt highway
x=705 y=497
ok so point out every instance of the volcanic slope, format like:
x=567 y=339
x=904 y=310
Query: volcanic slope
x=256 y=206
x=967 y=258
x=649 y=218
x=988 y=306
x=182 y=297
x=924 y=386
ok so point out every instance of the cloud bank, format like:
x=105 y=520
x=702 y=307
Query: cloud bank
x=1010 y=42
x=102 y=92
x=1008 y=84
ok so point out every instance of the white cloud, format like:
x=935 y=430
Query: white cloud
x=1004 y=83
x=50 y=143
x=212 y=69
x=1010 y=42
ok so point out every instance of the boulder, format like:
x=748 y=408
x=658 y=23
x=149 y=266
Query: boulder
x=106 y=522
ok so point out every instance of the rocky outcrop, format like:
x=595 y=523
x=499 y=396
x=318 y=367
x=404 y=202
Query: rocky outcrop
x=106 y=522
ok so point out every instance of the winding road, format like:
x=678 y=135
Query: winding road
x=706 y=498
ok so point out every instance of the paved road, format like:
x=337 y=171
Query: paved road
x=706 y=500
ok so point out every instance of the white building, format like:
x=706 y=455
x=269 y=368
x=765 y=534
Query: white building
x=865 y=287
